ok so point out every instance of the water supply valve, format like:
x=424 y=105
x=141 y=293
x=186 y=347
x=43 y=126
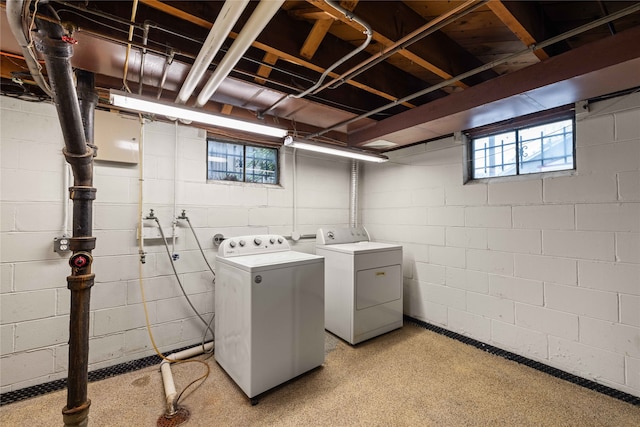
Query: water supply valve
x=80 y=260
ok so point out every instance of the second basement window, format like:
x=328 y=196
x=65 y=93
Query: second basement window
x=543 y=147
x=228 y=161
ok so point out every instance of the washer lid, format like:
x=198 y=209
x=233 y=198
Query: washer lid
x=270 y=261
x=360 y=247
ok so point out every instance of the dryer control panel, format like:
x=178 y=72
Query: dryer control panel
x=334 y=236
x=253 y=245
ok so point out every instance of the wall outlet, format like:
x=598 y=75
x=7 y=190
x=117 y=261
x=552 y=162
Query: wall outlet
x=61 y=244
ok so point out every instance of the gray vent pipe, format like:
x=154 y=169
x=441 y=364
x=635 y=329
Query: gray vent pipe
x=76 y=121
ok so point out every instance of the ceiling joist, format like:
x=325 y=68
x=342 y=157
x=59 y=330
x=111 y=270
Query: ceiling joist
x=173 y=11
x=505 y=13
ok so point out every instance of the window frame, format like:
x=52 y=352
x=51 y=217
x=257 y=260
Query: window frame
x=244 y=146
x=566 y=112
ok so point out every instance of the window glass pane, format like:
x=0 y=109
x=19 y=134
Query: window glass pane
x=546 y=148
x=244 y=163
x=261 y=165
x=494 y=155
x=225 y=161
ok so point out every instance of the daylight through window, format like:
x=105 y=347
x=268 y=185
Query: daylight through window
x=243 y=163
x=541 y=148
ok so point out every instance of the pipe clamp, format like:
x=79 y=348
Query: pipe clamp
x=80 y=283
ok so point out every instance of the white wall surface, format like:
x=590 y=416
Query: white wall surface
x=547 y=267
x=34 y=311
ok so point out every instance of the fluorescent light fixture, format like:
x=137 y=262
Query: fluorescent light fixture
x=138 y=103
x=335 y=151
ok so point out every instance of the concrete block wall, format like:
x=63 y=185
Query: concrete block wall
x=34 y=300
x=545 y=266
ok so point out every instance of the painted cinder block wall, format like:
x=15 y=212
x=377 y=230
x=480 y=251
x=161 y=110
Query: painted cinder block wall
x=547 y=267
x=34 y=300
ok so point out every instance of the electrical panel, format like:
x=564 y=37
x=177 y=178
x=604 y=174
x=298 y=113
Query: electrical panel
x=117 y=137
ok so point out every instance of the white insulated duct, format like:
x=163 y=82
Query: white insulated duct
x=227 y=18
x=14 y=17
x=252 y=29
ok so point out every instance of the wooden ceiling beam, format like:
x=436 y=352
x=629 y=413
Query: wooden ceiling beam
x=507 y=14
x=264 y=70
x=320 y=30
x=173 y=11
x=437 y=52
x=226 y=109
x=315 y=37
x=309 y=13
x=386 y=42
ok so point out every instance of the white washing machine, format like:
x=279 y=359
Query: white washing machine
x=269 y=311
x=363 y=284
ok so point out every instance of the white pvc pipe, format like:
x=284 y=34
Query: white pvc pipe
x=228 y=16
x=174 y=223
x=250 y=32
x=66 y=170
x=167 y=378
x=141 y=191
x=353 y=216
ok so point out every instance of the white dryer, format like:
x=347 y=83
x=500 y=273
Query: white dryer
x=363 y=284
x=269 y=311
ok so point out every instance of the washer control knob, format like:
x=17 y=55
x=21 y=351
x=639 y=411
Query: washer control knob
x=242 y=243
x=280 y=240
x=257 y=241
x=232 y=244
x=272 y=240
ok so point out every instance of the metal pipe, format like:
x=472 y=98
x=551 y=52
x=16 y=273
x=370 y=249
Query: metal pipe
x=58 y=62
x=76 y=122
x=165 y=72
x=368 y=33
x=300 y=236
x=605 y=12
x=541 y=45
x=417 y=35
x=88 y=99
x=145 y=40
x=125 y=71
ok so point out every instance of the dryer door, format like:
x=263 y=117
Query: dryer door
x=378 y=285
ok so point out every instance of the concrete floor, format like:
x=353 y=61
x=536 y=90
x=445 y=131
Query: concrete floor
x=409 y=377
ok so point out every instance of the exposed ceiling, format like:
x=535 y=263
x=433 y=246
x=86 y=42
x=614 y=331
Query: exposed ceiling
x=429 y=69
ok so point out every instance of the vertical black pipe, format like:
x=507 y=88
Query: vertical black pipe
x=88 y=98
x=77 y=130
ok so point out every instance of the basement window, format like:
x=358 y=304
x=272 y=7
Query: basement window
x=543 y=142
x=233 y=161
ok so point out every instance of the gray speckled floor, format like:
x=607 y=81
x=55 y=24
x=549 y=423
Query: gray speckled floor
x=409 y=377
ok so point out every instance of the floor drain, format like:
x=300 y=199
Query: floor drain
x=180 y=417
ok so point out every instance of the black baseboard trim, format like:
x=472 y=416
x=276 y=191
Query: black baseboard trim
x=583 y=382
x=97 y=375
